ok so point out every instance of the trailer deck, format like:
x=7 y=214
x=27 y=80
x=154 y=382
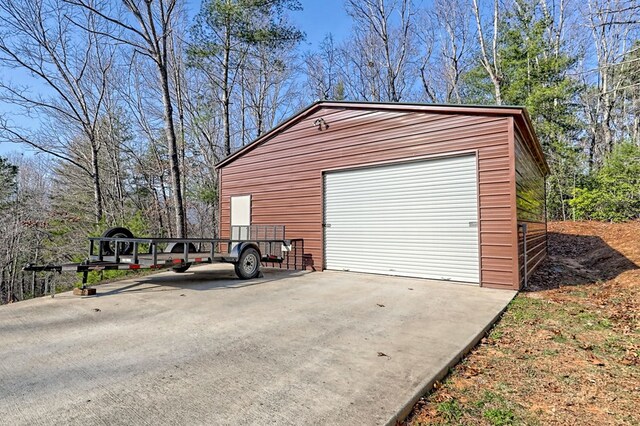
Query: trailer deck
x=117 y=250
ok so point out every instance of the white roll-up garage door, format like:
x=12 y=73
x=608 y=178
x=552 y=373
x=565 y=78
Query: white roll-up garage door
x=412 y=219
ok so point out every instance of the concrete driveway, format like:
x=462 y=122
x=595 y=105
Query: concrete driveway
x=205 y=348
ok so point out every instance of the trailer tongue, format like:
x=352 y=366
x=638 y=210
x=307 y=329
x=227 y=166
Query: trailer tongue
x=251 y=245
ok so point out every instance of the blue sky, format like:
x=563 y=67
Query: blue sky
x=321 y=17
x=317 y=19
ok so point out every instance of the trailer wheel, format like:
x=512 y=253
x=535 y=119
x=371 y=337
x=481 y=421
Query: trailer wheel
x=181 y=269
x=109 y=247
x=248 y=266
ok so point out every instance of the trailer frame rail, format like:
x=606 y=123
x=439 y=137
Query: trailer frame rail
x=131 y=254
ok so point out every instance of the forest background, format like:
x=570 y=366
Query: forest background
x=114 y=113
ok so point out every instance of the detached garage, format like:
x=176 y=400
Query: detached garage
x=447 y=192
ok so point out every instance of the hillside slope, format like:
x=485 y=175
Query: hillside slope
x=566 y=351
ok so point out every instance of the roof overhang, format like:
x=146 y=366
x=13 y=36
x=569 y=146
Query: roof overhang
x=519 y=114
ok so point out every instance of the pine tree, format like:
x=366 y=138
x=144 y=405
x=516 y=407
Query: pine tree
x=535 y=75
x=223 y=34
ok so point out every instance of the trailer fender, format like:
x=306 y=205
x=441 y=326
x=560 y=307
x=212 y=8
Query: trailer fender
x=179 y=248
x=240 y=247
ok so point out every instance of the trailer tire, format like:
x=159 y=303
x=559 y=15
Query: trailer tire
x=181 y=269
x=248 y=265
x=108 y=247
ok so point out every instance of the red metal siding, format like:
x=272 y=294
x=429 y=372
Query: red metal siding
x=284 y=174
x=530 y=206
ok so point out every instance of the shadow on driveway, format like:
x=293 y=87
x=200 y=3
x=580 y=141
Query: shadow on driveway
x=202 y=278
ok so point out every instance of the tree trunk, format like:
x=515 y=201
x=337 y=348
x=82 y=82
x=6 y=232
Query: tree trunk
x=498 y=92
x=592 y=149
x=607 y=132
x=180 y=104
x=97 y=190
x=174 y=165
x=243 y=102
x=226 y=102
x=158 y=209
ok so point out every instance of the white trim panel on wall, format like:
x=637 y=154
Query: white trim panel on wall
x=240 y=216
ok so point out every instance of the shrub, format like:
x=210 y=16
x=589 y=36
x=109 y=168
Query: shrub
x=614 y=193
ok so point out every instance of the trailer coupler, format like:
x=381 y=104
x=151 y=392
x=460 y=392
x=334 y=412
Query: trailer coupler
x=79 y=267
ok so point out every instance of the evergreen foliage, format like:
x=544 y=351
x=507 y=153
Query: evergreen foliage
x=127 y=123
x=613 y=193
x=8 y=174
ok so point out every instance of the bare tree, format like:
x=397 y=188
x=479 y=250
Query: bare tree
x=322 y=69
x=147 y=151
x=363 y=77
x=114 y=133
x=388 y=26
x=445 y=36
x=74 y=69
x=25 y=210
x=489 y=55
x=556 y=15
x=429 y=67
x=269 y=86
x=613 y=36
x=151 y=36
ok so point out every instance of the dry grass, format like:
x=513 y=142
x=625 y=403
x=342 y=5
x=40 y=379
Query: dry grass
x=566 y=351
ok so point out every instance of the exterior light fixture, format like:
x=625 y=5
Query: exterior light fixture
x=320 y=122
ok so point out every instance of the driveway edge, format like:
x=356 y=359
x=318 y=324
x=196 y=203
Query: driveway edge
x=426 y=385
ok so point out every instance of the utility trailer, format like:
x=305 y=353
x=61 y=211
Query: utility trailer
x=248 y=247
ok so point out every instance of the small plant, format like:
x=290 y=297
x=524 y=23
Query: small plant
x=579 y=293
x=495 y=334
x=499 y=416
x=450 y=410
x=487 y=398
x=604 y=323
x=525 y=309
x=593 y=321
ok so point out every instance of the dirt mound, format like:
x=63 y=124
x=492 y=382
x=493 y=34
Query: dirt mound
x=583 y=253
x=624 y=237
